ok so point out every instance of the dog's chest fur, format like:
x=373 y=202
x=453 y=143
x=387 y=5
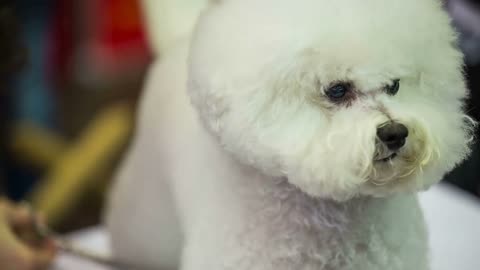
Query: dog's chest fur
x=283 y=228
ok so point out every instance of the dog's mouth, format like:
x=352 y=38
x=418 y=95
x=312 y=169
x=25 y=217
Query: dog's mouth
x=386 y=158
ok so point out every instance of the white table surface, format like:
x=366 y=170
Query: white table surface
x=453 y=219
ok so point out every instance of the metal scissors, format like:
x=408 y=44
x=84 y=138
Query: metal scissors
x=69 y=247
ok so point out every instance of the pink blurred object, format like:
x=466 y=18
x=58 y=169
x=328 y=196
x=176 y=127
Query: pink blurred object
x=116 y=42
x=466 y=17
x=98 y=40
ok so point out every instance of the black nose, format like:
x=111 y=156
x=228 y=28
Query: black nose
x=393 y=135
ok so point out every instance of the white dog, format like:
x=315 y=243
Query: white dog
x=313 y=125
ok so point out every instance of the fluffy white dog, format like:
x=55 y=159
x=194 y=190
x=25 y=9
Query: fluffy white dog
x=294 y=134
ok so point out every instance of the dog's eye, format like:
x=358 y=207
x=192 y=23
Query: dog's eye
x=338 y=91
x=393 y=88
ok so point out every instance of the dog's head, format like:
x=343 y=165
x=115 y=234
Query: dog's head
x=343 y=98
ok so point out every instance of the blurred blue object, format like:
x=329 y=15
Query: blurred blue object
x=34 y=97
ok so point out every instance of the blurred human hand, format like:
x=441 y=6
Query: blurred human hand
x=20 y=247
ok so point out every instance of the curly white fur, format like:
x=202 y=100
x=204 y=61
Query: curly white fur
x=263 y=171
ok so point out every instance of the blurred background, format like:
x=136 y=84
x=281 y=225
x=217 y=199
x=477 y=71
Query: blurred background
x=72 y=72
x=67 y=101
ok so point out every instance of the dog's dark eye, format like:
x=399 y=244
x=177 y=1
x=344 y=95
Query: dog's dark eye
x=338 y=91
x=393 y=88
